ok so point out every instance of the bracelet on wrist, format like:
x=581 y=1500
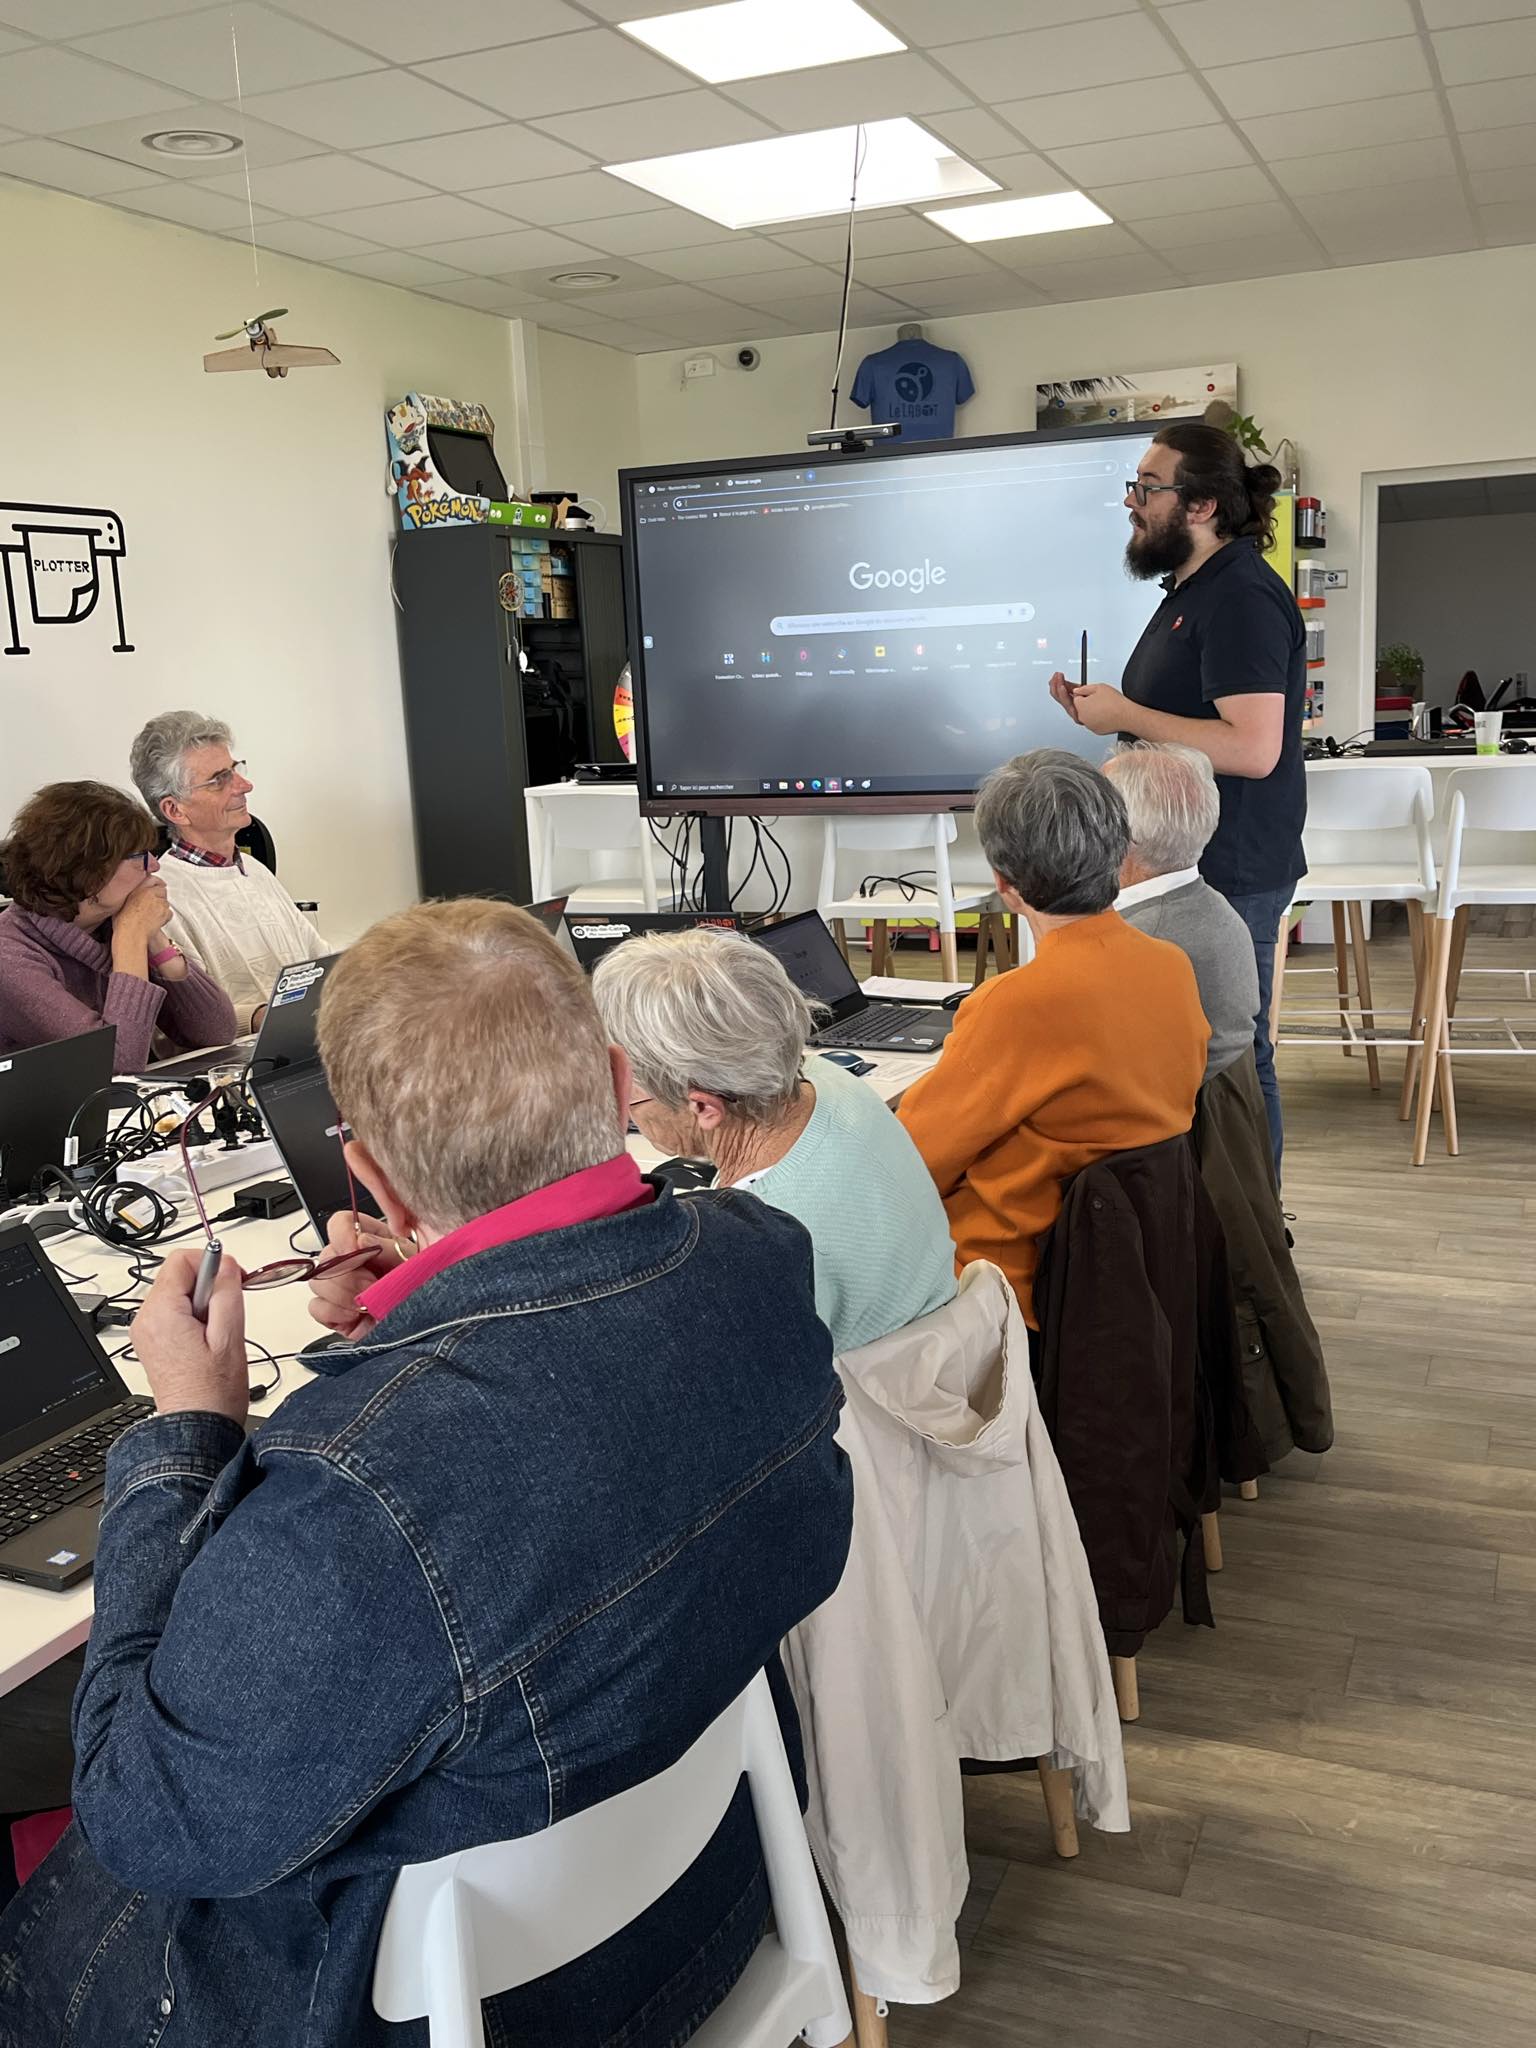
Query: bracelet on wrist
x=166 y=953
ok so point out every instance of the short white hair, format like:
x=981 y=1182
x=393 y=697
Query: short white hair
x=706 y=1009
x=1172 y=801
x=157 y=761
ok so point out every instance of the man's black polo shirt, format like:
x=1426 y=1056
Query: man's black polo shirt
x=1234 y=629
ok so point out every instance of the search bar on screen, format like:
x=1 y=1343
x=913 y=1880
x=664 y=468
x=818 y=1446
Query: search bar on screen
x=922 y=618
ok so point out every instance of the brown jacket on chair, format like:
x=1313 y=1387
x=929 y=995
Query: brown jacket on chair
x=1140 y=1379
x=1285 y=1379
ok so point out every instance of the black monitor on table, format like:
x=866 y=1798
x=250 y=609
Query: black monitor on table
x=47 y=1094
x=294 y=1097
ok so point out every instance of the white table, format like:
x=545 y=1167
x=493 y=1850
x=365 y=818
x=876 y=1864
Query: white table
x=38 y=1627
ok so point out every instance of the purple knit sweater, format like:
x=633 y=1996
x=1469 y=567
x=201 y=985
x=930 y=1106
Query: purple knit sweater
x=57 y=980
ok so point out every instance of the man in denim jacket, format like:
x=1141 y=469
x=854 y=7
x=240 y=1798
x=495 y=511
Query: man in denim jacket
x=568 y=1486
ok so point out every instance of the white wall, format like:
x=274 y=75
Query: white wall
x=256 y=584
x=588 y=421
x=1384 y=367
x=1463 y=591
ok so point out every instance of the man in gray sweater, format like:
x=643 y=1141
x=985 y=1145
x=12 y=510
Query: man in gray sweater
x=1170 y=795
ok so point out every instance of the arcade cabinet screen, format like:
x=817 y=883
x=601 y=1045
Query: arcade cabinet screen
x=879 y=625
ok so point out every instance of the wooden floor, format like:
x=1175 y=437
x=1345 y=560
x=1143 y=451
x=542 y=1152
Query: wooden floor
x=1333 y=1794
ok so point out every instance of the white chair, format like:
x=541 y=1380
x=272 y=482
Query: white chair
x=1380 y=811
x=581 y=819
x=470 y=1926
x=899 y=844
x=1498 y=797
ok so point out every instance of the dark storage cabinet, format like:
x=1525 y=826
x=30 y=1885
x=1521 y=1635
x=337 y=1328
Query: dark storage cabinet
x=477 y=733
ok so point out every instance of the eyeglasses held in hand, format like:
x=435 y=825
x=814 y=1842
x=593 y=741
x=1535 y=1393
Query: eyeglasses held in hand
x=1141 y=492
x=281 y=1272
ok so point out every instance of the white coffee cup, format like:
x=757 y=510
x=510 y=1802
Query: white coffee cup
x=1487 y=725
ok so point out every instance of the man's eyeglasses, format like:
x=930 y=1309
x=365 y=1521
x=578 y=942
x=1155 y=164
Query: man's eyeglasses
x=220 y=781
x=282 y=1272
x=1141 y=492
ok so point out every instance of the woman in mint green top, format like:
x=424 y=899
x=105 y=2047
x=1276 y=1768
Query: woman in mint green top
x=715 y=1031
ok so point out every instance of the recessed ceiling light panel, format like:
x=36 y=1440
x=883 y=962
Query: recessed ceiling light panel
x=753 y=38
x=192 y=142
x=999 y=220
x=803 y=177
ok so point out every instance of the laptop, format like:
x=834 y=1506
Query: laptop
x=551 y=914
x=808 y=953
x=294 y=1097
x=596 y=932
x=62 y=1407
x=196 y=1066
x=41 y=1091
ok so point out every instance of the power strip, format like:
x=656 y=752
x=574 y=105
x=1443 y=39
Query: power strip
x=215 y=1168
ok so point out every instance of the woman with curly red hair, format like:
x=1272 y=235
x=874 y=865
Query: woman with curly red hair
x=83 y=941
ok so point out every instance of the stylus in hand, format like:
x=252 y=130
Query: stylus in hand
x=207 y=1273
x=1082 y=665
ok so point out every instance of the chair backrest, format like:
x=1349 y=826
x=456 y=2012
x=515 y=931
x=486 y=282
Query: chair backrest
x=929 y=833
x=1498 y=798
x=1371 y=796
x=595 y=820
x=472 y=1925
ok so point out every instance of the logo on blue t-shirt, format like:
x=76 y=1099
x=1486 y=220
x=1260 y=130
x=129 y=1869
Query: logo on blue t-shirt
x=913 y=381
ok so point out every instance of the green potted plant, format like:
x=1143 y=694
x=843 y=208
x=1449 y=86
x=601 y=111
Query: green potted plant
x=1399 y=671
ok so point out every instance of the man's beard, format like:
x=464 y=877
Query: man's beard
x=1150 y=552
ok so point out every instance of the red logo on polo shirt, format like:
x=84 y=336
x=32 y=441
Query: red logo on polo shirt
x=1177 y=623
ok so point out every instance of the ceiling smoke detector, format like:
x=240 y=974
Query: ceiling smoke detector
x=583 y=280
x=192 y=142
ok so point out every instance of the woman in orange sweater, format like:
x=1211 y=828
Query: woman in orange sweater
x=1096 y=1046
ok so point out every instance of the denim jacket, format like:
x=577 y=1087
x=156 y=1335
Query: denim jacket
x=505 y=1559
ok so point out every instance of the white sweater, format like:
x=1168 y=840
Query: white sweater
x=240 y=925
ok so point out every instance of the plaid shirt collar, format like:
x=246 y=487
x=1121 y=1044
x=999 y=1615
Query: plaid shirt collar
x=201 y=857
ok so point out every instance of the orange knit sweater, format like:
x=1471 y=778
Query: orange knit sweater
x=1096 y=1046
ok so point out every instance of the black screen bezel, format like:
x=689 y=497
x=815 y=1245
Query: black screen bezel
x=85 y=1406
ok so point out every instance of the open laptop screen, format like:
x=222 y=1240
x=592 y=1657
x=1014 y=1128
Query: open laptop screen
x=47 y=1361
x=808 y=953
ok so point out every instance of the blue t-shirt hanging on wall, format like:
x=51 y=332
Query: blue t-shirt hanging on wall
x=916 y=383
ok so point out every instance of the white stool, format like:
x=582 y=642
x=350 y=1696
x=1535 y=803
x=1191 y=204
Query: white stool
x=929 y=836
x=1382 y=810
x=582 y=819
x=1497 y=797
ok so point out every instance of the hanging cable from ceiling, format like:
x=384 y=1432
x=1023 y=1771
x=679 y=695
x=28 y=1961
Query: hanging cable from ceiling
x=860 y=145
x=245 y=149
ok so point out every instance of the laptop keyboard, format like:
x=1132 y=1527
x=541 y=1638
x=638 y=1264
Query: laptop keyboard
x=870 y=1027
x=70 y=1470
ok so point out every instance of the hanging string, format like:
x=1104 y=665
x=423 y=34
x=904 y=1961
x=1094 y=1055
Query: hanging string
x=250 y=204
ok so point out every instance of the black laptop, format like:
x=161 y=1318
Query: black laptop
x=808 y=953
x=43 y=1092
x=62 y=1407
x=551 y=914
x=596 y=932
x=294 y=1097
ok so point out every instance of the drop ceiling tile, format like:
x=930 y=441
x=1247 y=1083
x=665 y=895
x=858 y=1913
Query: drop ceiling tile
x=399 y=266
x=634 y=340
x=943 y=296
x=1234 y=31
x=1393 y=241
x=191 y=207
x=9 y=42
x=638 y=10
x=594 y=68
x=517 y=249
x=710 y=332
x=1109 y=112
x=1164 y=155
x=1386 y=206
x=769 y=288
x=584 y=195
x=1115 y=277
x=1025 y=176
x=407 y=32
x=670 y=227
x=1066 y=59
x=1280 y=84
x=1196 y=192
x=975 y=133
x=1076 y=245
x=42 y=161
x=125 y=140
x=418 y=223
x=926 y=22
x=1512 y=182
x=924 y=266
x=873 y=89
x=317 y=184
x=884 y=235
x=487 y=295
x=44 y=90
x=1503 y=49
x=670 y=300
x=362 y=113
x=1508 y=222
x=745 y=255
x=1491 y=149
x=1405 y=117
x=619 y=269
x=312 y=243
x=193 y=51
x=1452 y=13
x=1347 y=170
x=10 y=135
x=481 y=157
x=702 y=120
x=1248 y=256
x=1177 y=232
x=1499 y=103
x=812 y=311
x=61 y=19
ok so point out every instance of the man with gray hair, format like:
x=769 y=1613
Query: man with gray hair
x=1172 y=803
x=227 y=909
